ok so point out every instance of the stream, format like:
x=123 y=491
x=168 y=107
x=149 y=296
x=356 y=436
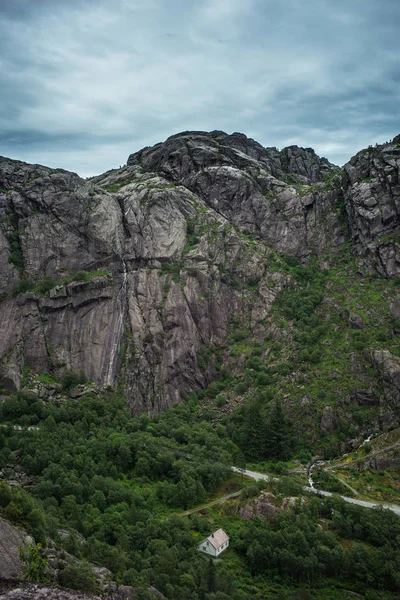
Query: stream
x=261 y=476
x=319 y=463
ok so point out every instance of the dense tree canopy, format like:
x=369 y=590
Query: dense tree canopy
x=115 y=481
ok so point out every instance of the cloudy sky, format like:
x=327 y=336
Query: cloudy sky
x=86 y=82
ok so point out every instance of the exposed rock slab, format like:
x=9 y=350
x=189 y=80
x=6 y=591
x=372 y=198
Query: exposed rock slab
x=371 y=184
x=187 y=231
x=37 y=592
x=11 y=538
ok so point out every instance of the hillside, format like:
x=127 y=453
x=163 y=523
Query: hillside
x=252 y=292
x=208 y=257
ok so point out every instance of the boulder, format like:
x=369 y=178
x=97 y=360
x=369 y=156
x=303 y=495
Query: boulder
x=328 y=420
x=262 y=507
x=394 y=307
x=388 y=366
x=355 y=321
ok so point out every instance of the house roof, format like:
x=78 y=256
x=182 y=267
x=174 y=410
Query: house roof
x=218 y=538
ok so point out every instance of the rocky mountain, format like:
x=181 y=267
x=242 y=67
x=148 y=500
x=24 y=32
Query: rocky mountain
x=143 y=276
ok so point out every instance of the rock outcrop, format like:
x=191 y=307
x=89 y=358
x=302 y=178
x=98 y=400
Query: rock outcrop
x=371 y=184
x=37 y=592
x=130 y=275
x=253 y=187
x=262 y=507
x=266 y=506
x=11 y=539
x=387 y=366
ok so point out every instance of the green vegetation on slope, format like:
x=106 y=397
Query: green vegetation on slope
x=120 y=481
x=43 y=286
x=317 y=549
x=115 y=480
x=314 y=357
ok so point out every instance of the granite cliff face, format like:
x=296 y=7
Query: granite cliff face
x=130 y=275
x=371 y=185
x=11 y=539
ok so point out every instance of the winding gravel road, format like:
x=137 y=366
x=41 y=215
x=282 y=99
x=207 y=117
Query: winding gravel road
x=261 y=476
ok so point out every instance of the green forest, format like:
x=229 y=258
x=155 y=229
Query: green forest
x=119 y=485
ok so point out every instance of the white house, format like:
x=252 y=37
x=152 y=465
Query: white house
x=215 y=544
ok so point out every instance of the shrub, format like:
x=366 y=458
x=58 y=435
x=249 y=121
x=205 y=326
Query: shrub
x=80 y=276
x=24 y=285
x=214 y=388
x=72 y=379
x=304 y=456
x=45 y=285
x=220 y=400
x=239 y=335
x=33 y=561
x=279 y=468
x=252 y=490
x=283 y=369
x=263 y=379
x=315 y=356
x=254 y=362
x=204 y=356
x=5 y=494
x=79 y=576
x=265 y=396
x=241 y=388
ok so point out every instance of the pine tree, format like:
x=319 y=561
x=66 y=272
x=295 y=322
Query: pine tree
x=211 y=576
x=279 y=433
x=255 y=432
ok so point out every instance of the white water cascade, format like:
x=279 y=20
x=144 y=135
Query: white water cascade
x=317 y=463
x=367 y=440
x=117 y=328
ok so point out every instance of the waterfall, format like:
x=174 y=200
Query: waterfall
x=117 y=328
x=367 y=440
x=317 y=463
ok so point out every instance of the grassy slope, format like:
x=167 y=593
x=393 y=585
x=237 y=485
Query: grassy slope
x=310 y=372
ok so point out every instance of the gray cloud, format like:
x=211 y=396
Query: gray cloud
x=86 y=82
